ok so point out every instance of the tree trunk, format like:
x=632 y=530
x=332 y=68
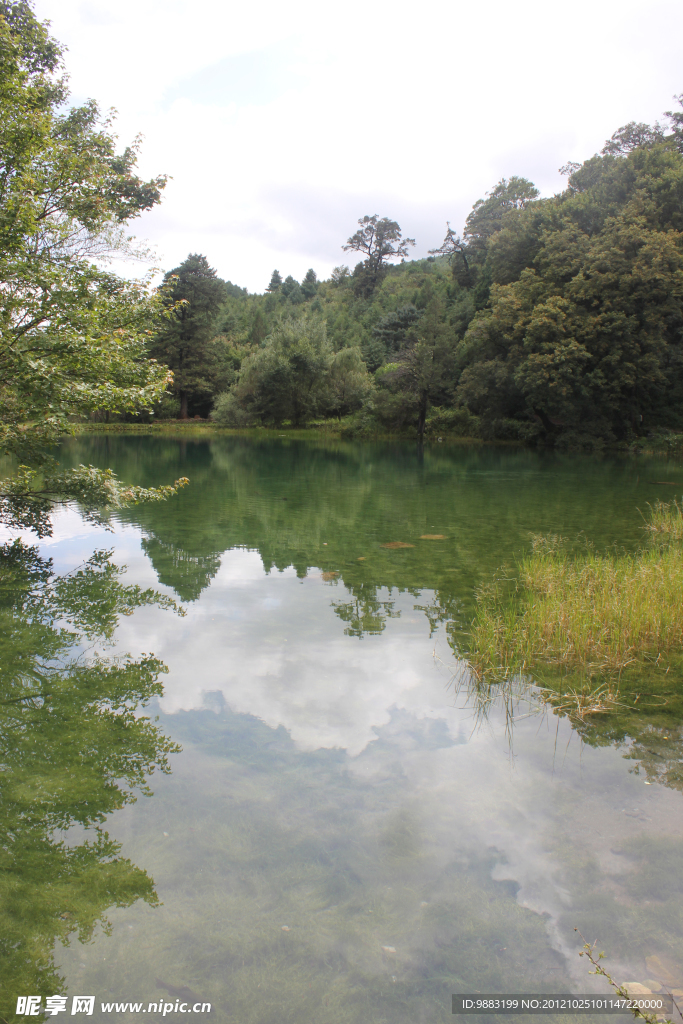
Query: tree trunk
x=422 y=418
x=183 y=406
x=547 y=425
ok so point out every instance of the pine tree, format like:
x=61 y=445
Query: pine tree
x=291 y=289
x=275 y=282
x=184 y=341
x=309 y=285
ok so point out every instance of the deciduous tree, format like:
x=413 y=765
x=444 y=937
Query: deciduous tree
x=588 y=341
x=348 y=382
x=72 y=335
x=468 y=255
x=381 y=240
x=286 y=379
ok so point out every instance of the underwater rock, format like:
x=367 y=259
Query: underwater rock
x=180 y=992
x=634 y=988
x=663 y=969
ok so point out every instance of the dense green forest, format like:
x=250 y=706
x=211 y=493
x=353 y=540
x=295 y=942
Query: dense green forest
x=550 y=320
x=555 y=321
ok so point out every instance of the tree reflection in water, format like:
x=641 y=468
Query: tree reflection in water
x=73 y=748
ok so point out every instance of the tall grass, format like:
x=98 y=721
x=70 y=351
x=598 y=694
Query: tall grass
x=665 y=522
x=589 y=613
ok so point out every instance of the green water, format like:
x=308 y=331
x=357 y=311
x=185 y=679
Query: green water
x=239 y=766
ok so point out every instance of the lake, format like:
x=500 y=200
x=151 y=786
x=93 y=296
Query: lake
x=335 y=830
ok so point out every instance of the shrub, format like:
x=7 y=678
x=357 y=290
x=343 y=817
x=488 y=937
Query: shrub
x=227 y=412
x=453 y=422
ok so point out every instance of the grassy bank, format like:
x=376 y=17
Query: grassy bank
x=205 y=428
x=320 y=429
x=586 y=614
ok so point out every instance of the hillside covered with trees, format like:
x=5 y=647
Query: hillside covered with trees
x=552 y=321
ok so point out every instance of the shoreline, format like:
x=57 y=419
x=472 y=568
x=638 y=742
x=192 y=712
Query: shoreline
x=662 y=445
x=315 y=431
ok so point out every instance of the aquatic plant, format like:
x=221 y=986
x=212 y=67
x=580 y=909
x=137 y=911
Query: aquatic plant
x=590 y=614
x=666 y=521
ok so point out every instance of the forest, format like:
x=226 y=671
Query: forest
x=554 y=321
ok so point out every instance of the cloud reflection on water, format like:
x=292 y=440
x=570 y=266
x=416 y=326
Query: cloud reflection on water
x=273 y=647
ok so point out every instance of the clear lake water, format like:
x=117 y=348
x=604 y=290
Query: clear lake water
x=340 y=835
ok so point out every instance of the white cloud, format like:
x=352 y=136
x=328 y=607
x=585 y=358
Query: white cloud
x=281 y=124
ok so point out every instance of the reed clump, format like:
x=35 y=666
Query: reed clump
x=587 y=612
x=665 y=522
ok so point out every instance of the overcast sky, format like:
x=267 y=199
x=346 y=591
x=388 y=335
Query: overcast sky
x=282 y=123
